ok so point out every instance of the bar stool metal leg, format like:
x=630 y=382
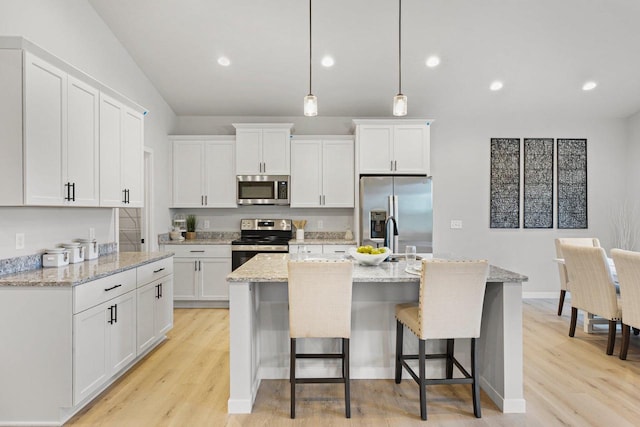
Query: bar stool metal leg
x=347 y=388
x=423 y=385
x=476 y=383
x=292 y=377
x=399 y=342
x=450 y=343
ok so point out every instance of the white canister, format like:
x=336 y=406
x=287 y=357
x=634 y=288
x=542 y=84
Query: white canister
x=76 y=252
x=90 y=248
x=300 y=234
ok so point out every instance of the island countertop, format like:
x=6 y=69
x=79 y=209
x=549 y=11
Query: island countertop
x=273 y=268
x=82 y=272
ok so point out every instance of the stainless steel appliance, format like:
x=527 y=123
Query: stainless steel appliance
x=260 y=236
x=399 y=205
x=263 y=189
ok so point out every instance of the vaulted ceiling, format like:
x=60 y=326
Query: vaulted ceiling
x=542 y=50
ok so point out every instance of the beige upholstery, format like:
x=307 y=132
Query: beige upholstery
x=450 y=301
x=628 y=269
x=320 y=298
x=576 y=241
x=592 y=288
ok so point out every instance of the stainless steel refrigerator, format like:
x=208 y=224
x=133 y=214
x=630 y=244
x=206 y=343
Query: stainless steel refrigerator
x=408 y=199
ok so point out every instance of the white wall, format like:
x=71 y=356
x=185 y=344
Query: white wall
x=460 y=166
x=71 y=30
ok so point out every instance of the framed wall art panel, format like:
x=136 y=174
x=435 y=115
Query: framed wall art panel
x=505 y=183
x=572 y=183
x=538 y=183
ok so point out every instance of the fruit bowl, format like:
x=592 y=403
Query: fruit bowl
x=369 y=259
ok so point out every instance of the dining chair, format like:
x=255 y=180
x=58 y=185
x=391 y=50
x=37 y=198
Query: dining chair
x=320 y=307
x=628 y=267
x=564 y=281
x=449 y=306
x=592 y=288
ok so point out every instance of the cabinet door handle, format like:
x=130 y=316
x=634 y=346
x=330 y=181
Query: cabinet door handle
x=128 y=196
x=324 y=201
x=195 y=265
x=391 y=166
x=158 y=270
x=206 y=200
x=159 y=290
x=124 y=195
x=319 y=199
x=199 y=265
x=112 y=288
x=111 y=321
x=339 y=252
x=115 y=307
x=395 y=165
x=66 y=186
x=197 y=251
x=73 y=193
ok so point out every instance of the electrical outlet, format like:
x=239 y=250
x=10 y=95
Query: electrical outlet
x=320 y=224
x=456 y=223
x=19 y=240
x=92 y=233
x=207 y=224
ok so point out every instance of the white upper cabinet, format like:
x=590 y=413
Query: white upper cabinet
x=322 y=172
x=45 y=127
x=63 y=141
x=262 y=149
x=121 y=155
x=203 y=171
x=393 y=146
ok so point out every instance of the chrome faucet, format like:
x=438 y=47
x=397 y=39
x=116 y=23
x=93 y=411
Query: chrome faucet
x=392 y=244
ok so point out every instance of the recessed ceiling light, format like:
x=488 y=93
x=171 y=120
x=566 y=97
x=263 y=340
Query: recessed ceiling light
x=497 y=85
x=589 y=85
x=328 y=61
x=224 y=61
x=433 y=61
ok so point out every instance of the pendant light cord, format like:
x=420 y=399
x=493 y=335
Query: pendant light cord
x=399 y=46
x=310 y=47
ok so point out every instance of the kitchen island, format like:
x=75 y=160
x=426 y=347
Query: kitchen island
x=259 y=330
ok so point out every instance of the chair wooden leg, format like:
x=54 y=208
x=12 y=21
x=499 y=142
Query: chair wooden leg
x=399 y=340
x=347 y=389
x=292 y=377
x=475 y=386
x=636 y=331
x=625 y=341
x=561 y=302
x=611 y=342
x=422 y=374
x=574 y=320
x=450 y=343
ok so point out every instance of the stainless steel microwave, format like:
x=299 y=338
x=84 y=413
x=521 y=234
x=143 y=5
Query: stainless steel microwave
x=262 y=190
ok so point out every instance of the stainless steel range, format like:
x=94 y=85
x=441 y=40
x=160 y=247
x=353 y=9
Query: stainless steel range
x=260 y=236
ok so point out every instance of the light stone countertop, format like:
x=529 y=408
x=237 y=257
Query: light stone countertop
x=273 y=268
x=75 y=274
x=215 y=241
x=322 y=242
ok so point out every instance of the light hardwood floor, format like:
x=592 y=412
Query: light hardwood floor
x=185 y=382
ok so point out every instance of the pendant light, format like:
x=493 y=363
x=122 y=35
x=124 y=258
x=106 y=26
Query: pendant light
x=400 y=100
x=310 y=101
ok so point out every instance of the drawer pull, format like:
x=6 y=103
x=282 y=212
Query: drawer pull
x=158 y=270
x=197 y=251
x=112 y=288
x=339 y=252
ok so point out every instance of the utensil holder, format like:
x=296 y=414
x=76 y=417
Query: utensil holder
x=300 y=234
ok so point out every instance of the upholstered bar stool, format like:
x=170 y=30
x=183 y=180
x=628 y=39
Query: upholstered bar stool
x=449 y=306
x=320 y=307
x=592 y=288
x=628 y=268
x=562 y=269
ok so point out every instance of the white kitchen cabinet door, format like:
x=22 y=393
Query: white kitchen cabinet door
x=411 y=149
x=81 y=150
x=111 y=112
x=45 y=127
x=146 y=329
x=122 y=332
x=376 y=148
x=276 y=151
x=219 y=173
x=337 y=174
x=164 y=306
x=248 y=151
x=306 y=173
x=132 y=160
x=213 y=279
x=188 y=178
x=90 y=364
x=186 y=276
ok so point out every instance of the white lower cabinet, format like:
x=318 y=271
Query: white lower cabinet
x=155 y=306
x=104 y=342
x=200 y=272
x=321 y=249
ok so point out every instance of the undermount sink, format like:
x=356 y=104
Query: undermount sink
x=400 y=257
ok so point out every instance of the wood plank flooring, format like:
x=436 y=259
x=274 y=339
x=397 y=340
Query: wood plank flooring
x=185 y=382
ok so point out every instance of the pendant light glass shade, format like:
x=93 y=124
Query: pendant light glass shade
x=310 y=105
x=400 y=105
x=400 y=100
x=310 y=101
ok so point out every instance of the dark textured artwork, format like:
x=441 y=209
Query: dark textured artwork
x=538 y=183
x=505 y=183
x=572 y=183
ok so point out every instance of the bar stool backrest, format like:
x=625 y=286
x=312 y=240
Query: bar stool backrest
x=320 y=298
x=628 y=269
x=451 y=298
